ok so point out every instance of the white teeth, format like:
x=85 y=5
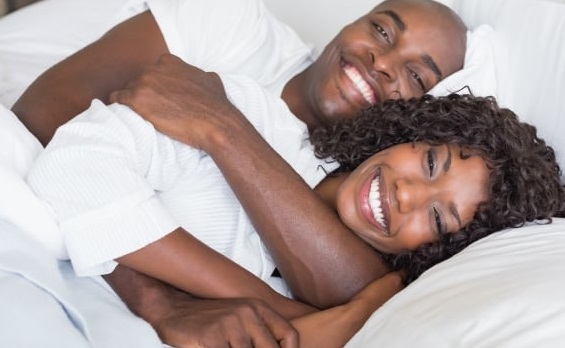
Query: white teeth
x=375 y=201
x=360 y=83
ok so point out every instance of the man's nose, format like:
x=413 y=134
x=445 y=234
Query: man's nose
x=385 y=64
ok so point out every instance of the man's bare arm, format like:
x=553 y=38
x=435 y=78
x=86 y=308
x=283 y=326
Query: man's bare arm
x=67 y=89
x=322 y=261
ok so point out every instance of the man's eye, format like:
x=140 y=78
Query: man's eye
x=381 y=32
x=418 y=80
x=431 y=162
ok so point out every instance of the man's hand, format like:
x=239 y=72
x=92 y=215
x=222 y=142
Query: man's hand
x=182 y=320
x=179 y=100
x=225 y=323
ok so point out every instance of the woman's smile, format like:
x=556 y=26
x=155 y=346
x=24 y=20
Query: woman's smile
x=409 y=194
x=374 y=204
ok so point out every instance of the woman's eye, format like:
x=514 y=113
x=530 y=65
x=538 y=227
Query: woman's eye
x=431 y=162
x=418 y=80
x=382 y=32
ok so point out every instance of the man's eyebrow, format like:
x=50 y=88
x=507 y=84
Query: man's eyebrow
x=429 y=61
x=396 y=19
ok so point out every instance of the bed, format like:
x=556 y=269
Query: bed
x=503 y=291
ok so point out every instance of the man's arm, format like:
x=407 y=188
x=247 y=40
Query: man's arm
x=182 y=320
x=322 y=261
x=66 y=89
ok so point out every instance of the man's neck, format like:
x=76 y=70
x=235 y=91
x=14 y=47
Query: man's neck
x=294 y=95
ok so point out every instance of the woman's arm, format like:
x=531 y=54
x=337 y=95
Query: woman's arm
x=334 y=327
x=67 y=88
x=322 y=261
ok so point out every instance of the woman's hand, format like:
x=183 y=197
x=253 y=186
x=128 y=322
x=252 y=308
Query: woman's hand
x=180 y=100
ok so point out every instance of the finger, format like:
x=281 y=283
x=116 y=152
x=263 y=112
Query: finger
x=279 y=328
x=251 y=330
x=115 y=96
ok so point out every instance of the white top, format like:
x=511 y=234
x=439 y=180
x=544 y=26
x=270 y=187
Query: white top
x=116 y=184
x=235 y=37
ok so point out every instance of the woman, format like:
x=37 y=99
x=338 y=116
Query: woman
x=416 y=151
x=518 y=190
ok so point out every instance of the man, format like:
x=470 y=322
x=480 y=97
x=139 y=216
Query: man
x=400 y=49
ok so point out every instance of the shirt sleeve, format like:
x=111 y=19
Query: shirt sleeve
x=101 y=174
x=236 y=37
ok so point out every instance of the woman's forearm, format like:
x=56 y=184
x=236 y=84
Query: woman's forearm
x=334 y=327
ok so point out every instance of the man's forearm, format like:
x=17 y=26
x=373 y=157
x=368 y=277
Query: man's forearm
x=323 y=262
x=143 y=295
x=182 y=320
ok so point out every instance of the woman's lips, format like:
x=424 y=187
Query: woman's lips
x=373 y=203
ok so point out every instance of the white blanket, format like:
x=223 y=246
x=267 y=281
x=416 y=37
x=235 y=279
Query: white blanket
x=43 y=303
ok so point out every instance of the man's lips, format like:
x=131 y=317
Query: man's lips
x=362 y=86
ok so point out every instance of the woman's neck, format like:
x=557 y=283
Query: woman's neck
x=327 y=189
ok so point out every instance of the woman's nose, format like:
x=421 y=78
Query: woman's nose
x=412 y=194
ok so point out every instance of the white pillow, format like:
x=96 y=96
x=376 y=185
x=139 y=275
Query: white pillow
x=37 y=36
x=530 y=61
x=503 y=291
x=18 y=203
x=479 y=72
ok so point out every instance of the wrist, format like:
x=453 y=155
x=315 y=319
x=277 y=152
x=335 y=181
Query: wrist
x=233 y=132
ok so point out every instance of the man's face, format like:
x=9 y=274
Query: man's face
x=400 y=49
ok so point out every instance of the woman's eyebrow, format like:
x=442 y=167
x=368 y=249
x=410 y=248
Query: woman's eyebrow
x=452 y=208
x=447 y=163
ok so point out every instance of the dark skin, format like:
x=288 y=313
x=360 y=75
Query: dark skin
x=184 y=321
x=327 y=265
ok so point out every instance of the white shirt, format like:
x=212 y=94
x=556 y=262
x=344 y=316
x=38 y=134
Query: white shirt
x=233 y=36
x=116 y=184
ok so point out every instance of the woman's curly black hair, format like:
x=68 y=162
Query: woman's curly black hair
x=525 y=179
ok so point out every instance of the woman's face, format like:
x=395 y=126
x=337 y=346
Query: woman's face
x=409 y=194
